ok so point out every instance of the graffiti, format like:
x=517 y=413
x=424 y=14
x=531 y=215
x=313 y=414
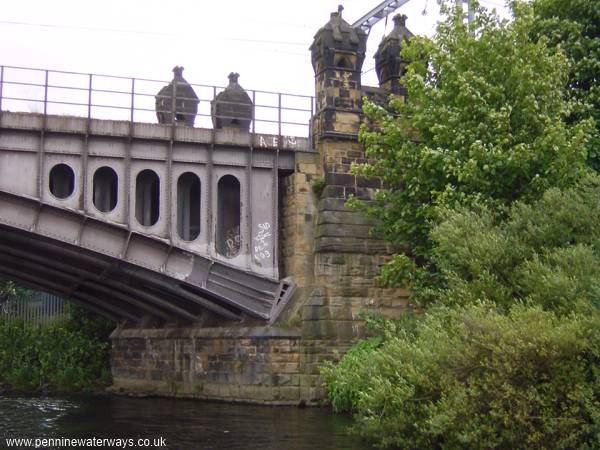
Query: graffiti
x=232 y=242
x=345 y=79
x=273 y=141
x=263 y=241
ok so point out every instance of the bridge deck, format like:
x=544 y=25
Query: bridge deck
x=109 y=262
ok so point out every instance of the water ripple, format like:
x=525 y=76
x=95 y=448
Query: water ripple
x=184 y=424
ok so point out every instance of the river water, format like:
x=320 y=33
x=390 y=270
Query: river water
x=170 y=424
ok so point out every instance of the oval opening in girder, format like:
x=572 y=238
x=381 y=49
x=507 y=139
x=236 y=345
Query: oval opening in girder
x=228 y=216
x=106 y=187
x=188 y=206
x=62 y=181
x=147 y=197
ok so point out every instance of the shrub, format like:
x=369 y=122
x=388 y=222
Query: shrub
x=344 y=391
x=68 y=355
x=472 y=377
x=546 y=252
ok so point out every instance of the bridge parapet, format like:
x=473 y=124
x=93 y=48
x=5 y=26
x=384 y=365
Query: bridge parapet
x=97 y=96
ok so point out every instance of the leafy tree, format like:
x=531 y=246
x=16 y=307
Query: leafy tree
x=574 y=26
x=484 y=123
x=485 y=177
x=9 y=289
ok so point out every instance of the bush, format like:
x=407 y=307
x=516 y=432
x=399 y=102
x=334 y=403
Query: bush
x=344 y=391
x=546 y=252
x=473 y=377
x=69 y=355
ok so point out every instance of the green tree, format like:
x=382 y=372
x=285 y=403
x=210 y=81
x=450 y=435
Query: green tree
x=9 y=289
x=486 y=179
x=485 y=122
x=574 y=26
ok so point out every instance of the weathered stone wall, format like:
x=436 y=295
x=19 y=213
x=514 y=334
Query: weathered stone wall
x=297 y=218
x=347 y=261
x=260 y=364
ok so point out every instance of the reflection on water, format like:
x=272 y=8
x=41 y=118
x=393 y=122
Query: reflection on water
x=185 y=424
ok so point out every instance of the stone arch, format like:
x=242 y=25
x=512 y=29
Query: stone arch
x=343 y=62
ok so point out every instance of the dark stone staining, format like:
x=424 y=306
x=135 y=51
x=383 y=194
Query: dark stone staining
x=337 y=55
x=337 y=45
x=179 y=97
x=377 y=95
x=390 y=66
x=232 y=107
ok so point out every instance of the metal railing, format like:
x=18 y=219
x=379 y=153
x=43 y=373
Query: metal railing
x=36 y=308
x=96 y=96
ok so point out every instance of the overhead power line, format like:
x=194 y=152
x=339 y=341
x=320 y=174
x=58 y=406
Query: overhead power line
x=146 y=33
x=81 y=28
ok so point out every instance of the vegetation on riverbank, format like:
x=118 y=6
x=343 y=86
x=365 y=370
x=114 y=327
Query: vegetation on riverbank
x=473 y=377
x=487 y=182
x=66 y=355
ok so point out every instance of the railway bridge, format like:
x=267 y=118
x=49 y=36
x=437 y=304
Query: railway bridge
x=207 y=222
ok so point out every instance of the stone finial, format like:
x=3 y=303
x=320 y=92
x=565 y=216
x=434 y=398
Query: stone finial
x=232 y=107
x=400 y=20
x=233 y=77
x=178 y=71
x=336 y=14
x=335 y=38
x=185 y=101
x=390 y=66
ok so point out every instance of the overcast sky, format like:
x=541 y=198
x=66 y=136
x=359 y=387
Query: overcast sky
x=266 y=41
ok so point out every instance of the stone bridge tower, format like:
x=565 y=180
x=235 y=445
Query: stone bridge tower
x=328 y=248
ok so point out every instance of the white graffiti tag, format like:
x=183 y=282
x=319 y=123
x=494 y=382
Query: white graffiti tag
x=263 y=241
x=232 y=242
x=267 y=141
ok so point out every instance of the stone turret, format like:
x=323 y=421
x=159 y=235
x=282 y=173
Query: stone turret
x=232 y=107
x=338 y=53
x=177 y=96
x=327 y=248
x=390 y=66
